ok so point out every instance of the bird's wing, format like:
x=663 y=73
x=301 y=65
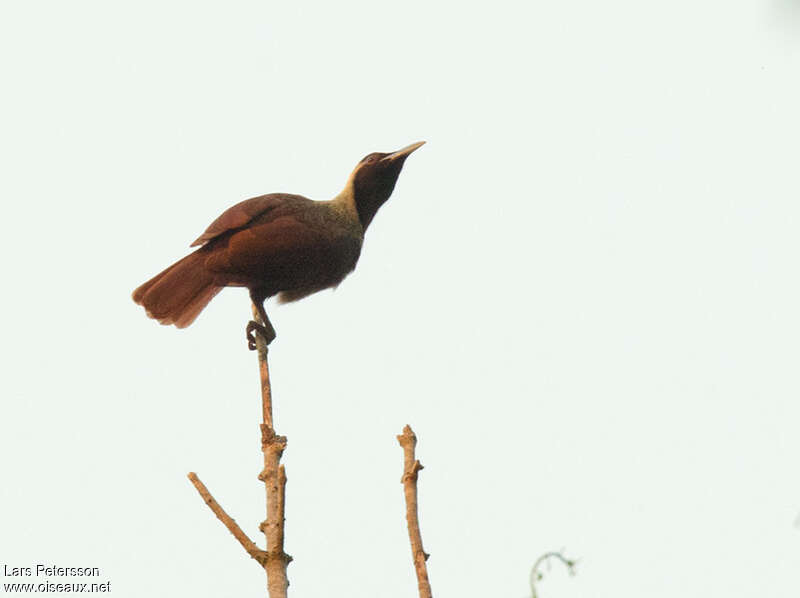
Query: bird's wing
x=243 y=213
x=290 y=249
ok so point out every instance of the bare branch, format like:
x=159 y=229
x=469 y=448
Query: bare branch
x=408 y=441
x=274 y=560
x=274 y=477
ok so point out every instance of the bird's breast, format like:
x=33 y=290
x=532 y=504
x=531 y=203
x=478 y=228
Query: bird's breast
x=320 y=267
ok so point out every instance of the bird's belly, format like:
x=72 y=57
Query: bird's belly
x=314 y=271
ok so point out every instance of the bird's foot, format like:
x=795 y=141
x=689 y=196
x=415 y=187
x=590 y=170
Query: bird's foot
x=253 y=327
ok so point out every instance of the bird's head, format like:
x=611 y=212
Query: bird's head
x=374 y=178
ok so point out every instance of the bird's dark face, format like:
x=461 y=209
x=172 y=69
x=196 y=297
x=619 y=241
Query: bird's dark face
x=374 y=179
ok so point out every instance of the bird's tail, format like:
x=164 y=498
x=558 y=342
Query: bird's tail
x=179 y=293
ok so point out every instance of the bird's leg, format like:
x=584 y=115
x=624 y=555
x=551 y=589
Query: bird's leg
x=264 y=328
x=267 y=332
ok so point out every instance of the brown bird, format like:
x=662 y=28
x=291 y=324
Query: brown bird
x=275 y=244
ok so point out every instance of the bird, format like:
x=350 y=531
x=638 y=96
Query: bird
x=276 y=244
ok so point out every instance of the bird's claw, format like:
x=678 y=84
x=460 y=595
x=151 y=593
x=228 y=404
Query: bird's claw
x=254 y=327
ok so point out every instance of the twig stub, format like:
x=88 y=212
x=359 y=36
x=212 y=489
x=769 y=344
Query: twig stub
x=411 y=467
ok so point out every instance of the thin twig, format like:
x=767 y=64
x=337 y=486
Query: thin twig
x=411 y=468
x=228 y=521
x=263 y=367
x=536 y=575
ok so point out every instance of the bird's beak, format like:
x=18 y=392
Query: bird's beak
x=403 y=153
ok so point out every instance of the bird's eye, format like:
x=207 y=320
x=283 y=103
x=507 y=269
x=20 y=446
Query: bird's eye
x=370 y=159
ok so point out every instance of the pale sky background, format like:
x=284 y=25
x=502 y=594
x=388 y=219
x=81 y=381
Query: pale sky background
x=583 y=294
